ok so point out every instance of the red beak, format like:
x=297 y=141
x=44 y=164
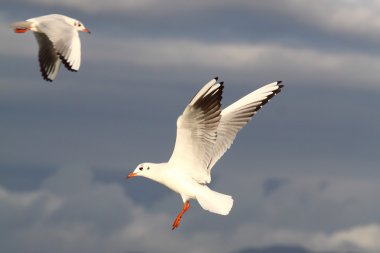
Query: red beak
x=86 y=30
x=130 y=175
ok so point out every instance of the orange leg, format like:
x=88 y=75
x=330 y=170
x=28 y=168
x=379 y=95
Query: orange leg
x=177 y=220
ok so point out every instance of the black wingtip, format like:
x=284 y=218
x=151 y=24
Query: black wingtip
x=66 y=63
x=45 y=76
x=221 y=83
x=48 y=80
x=216 y=78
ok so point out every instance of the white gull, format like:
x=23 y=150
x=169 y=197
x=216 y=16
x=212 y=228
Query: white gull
x=58 y=40
x=204 y=133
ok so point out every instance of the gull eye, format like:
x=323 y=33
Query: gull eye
x=79 y=24
x=141 y=168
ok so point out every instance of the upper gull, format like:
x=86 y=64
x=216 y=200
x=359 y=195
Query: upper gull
x=58 y=40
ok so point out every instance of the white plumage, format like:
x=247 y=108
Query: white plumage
x=58 y=40
x=204 y=133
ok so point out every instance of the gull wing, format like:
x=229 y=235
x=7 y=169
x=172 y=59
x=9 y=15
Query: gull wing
x=197 y=133
x=237 y=115
x=65 y=39
x=47 y=57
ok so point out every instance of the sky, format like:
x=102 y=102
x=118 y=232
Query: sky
x=305 y=172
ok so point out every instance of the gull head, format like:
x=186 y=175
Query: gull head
x=77 y=25
x=143 y=169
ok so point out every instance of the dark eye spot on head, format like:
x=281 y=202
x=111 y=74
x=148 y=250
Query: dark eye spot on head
x=79 y=24
x=141 y=168
x=148 y=168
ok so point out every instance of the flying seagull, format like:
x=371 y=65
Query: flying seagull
x=58 y=40
x=204 y=133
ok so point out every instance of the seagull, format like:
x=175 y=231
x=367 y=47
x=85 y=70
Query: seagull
x=58 y=40
x=204 y=133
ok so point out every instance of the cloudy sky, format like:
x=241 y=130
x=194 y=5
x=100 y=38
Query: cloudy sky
x=304 y=172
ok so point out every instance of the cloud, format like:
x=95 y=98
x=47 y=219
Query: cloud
x=364 y=238
x=72 y=213
x=355 y=18
x=355 y=239
x=240 y=59
x=306 y=202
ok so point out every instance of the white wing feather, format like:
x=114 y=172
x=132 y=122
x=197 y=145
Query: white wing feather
x=237 y=115
x=205 y=132
x=197 y=133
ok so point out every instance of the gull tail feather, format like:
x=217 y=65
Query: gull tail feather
x=215 y=202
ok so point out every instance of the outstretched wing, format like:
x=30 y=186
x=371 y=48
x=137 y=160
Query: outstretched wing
x=237 y=115
x=197 y=132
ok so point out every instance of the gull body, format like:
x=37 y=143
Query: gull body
x=58 y=41
x=204 y=133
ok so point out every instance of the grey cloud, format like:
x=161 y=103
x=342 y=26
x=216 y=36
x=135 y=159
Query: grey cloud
x=54 y=217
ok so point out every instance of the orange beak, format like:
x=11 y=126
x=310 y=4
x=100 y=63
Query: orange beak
x=130 y=175
x=86 y=30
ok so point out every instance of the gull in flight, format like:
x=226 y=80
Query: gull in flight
x=58 y=40
x=204 y=133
